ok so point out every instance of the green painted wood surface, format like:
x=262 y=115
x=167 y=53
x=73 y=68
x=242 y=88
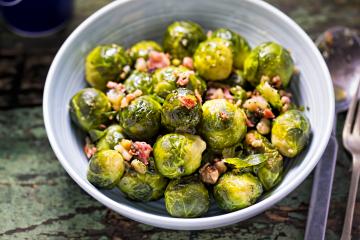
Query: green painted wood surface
x=38 y=200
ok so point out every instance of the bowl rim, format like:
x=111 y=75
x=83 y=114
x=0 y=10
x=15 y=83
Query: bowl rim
x=185 y=223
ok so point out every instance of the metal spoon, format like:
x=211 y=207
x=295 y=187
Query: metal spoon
x=340 y=48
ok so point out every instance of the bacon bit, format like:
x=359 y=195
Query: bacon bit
x=285 y=100
x=268 y=113
x=141 y=65
x=214 y=93
x=276 y=81
x=126 y=154
x=187 y=102
x=158 y=60
x=117 y=86
x=227 y=95
x=130 y=97
x=224 y=116
x=209 y=33
x=89 y=148
x=198 y=96
x=188 y=62
x=142 y=150
x=183 y=78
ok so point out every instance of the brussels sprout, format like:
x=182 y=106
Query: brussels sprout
x=112 y=136
x=239 y=45
x=143 y=187
x=186 y=197
x=236 y=191
x=178 y=155
x=105 y=168
x=269 y=172
x=165 y=80
x=87 y=108
x=143 y=48
x=237 y=79
x=141 y=119
x=290 y=133
x=271 y=60
x=182 y=38
x=139 y=80
x=239 y=94
x=181 y=110
x=213 y=59
x=223 y=124
x=105 y=63
x=270 y=94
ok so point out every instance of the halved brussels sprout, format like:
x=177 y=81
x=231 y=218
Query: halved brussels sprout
x=139 y=80
x=143 y=187
x=271 y=60
x=141 y=119
x=143 y=48
x=165 y=80
x=105 y=63
x=87 y=108
x=105 y=169
x=187 y=197
x=237 y=78
x=178 y=155
x=270 y=94
x=223 y=124
x=213 y=59
x=236 y=191
x=290 y=133
x=181 y=110
x=112 y=136
x=182 y=38
x=239 y=45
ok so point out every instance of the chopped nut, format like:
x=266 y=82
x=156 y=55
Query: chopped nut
x=126 y=155
x=220 y=166
x=251 y=140
x=209 y=174
x=141 y=65
x=285 y=99
x=126 y=143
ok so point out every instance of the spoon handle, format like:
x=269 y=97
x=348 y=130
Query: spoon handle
x=321 y=193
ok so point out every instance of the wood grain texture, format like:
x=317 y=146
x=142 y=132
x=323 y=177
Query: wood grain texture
x=38 y=200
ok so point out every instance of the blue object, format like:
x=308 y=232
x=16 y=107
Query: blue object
x=36 y=17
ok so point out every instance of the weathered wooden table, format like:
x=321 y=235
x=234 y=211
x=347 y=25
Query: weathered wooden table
x=38 y=200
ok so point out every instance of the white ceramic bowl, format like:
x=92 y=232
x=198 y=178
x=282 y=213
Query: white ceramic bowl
x=127 y=22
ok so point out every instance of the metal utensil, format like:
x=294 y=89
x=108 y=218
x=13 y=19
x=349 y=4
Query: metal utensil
x=340 y=47
x=351 y=139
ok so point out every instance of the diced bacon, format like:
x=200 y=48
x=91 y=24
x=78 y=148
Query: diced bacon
x=89 y=148
x=158 y=60
x=227 y=95
x=268 y=113
x=183 y=78
x=276 y=81
x=188 y=62
x=142 y=150
x=141 y=65
x=285 y=99
x=214 y=93
x=130 y=97
x=198 y=96
x=117 y=86
x=187 y=102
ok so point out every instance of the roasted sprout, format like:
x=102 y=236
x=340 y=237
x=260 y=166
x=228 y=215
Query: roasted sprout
x=105 y=169
x=181 y=110
x=112 y=136
x=186 y=197
x=239 y=45
x=213 y=59
x=88 y=108
x=270 y=94
x=270 y=60
x=236 y=191
x=106 y=63
x=169 y=78
x=143 y=187
x=182 y=38
x=141 y=119
x=223 y=124
x=178 y=155
x=290 y=133
x=139 y=80
x=142 y=49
